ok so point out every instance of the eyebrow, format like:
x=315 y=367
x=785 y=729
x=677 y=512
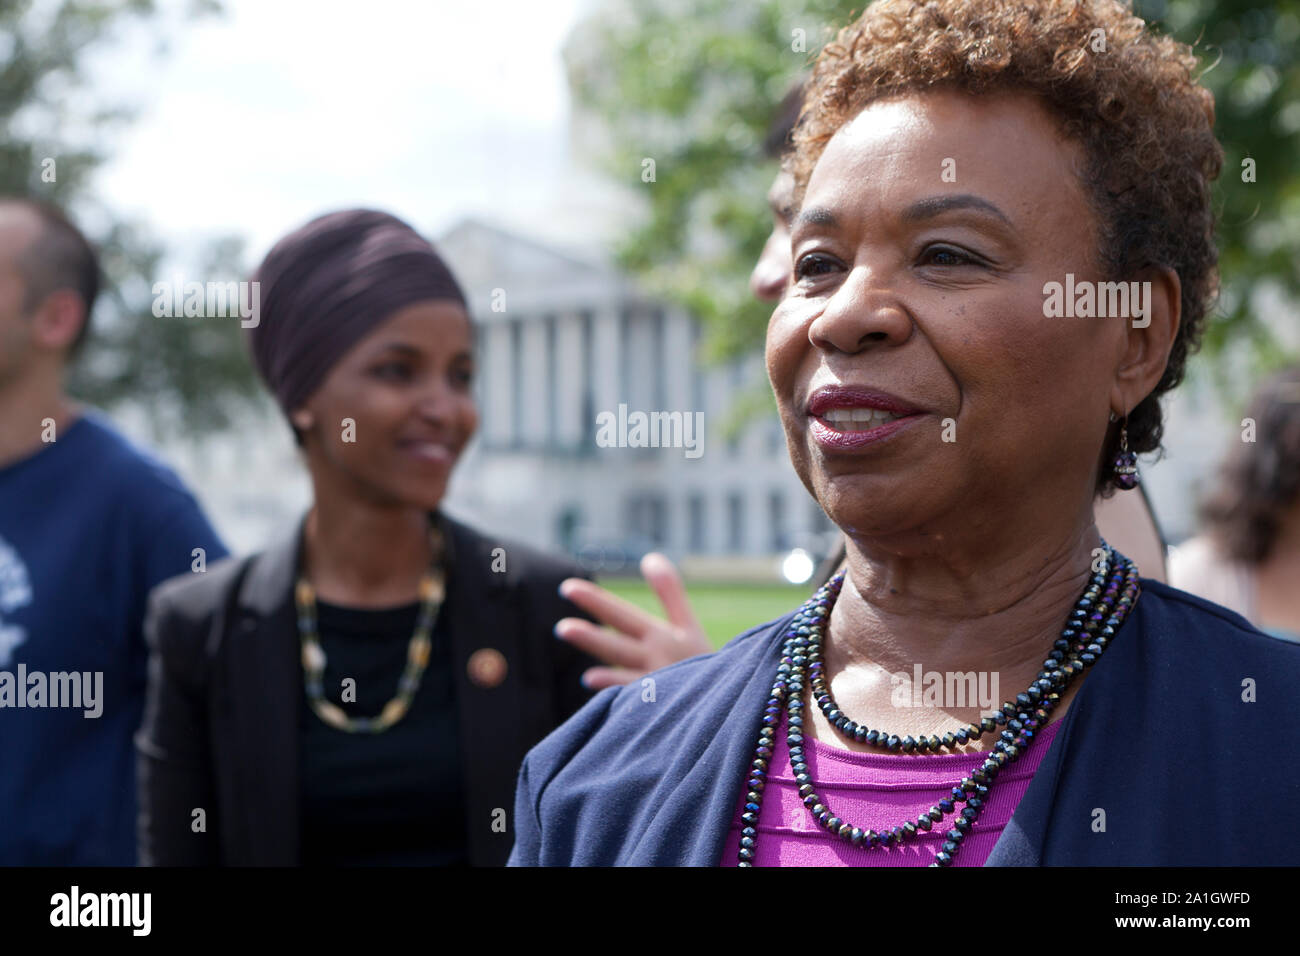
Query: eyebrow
x=401 y=347
x=781 y=205
x=938 y=205
x=920 y=210
x=815 y=216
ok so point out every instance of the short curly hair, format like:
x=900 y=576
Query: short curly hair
x=1127 y=95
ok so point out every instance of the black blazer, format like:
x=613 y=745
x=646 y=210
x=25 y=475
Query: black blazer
x=220 y=728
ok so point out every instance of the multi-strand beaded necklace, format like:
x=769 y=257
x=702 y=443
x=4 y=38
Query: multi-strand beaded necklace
x=1097 y=616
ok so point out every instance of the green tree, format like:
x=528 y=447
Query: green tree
x=187 y=374
x=694 y=85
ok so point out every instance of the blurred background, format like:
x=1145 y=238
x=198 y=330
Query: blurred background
x=594 y=173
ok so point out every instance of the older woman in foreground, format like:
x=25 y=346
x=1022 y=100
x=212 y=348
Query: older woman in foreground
x=956 y=165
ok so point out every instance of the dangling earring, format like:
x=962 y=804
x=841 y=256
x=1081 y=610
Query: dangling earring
x=1125 y=464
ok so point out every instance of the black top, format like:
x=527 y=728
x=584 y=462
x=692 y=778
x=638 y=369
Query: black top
x=389 y=799
x=223 y=719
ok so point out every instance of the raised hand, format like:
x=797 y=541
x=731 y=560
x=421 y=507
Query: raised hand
x=632 y=642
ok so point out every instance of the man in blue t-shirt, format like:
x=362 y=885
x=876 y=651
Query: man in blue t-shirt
x=88 y=524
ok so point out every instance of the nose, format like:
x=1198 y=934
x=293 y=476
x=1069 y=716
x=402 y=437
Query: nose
x=438 y=403
x=862 y=311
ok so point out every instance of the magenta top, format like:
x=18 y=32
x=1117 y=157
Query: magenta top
x=878 y=791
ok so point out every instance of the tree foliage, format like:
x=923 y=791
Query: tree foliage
x=187 y=374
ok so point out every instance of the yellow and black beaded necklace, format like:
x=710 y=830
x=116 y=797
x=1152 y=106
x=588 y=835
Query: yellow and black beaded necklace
x=432 y=593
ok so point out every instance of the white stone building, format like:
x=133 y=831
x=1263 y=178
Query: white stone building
x=562 y=341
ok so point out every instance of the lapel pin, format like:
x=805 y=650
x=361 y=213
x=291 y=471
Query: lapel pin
x=486 y=667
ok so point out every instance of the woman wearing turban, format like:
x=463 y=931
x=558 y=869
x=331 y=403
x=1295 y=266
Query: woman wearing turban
x=988 y=682
x=363 y=691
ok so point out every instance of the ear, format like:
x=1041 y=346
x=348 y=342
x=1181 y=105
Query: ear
x=1149 y=337
x=58 y=320
x=302 y=419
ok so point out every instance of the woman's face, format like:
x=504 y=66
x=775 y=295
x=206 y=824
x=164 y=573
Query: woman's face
x=407 y=386
x=927 y=232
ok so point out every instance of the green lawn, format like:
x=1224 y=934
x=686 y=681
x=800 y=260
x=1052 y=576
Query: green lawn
x=724 y=610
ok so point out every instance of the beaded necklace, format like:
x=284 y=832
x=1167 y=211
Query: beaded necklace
x=432 y=591
x=1092 y=624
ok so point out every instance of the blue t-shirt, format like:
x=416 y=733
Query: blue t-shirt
x=88 y=524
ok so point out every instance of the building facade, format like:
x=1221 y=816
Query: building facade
x=602 y=434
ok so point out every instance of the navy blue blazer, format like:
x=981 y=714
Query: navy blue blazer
x=1161 y=735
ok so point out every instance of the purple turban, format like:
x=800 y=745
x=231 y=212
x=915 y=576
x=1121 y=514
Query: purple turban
x=327 y=285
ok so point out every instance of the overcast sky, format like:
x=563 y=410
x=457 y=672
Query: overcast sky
x=252 y=122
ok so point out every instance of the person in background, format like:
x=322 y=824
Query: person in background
x=1248 y=557
x=634 y=641
x=88 y=524
x=363 y=691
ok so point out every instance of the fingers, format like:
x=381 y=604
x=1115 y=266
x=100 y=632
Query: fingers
x=608 y=608
x=609 y=646
x=598 y=678
x=667 y=583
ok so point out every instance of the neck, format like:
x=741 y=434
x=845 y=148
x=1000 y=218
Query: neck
x=1285 y=551
x=26 y=404
x=365 y=554
x=996 y=606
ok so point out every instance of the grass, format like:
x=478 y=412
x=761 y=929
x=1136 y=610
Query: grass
x=724 y=610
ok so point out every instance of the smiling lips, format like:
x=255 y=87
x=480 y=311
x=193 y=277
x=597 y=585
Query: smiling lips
x=850 y=416
x=428 y=450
